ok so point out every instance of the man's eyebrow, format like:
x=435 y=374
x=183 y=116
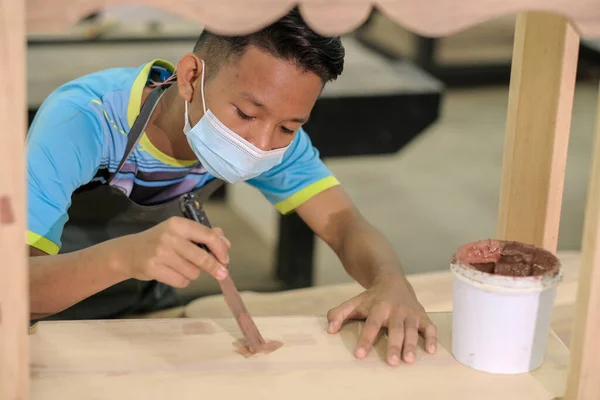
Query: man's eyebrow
x=300 y=120
x=249 y=97
x=252 y=99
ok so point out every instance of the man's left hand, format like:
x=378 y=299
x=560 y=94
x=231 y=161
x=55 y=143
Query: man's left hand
x=388 y=303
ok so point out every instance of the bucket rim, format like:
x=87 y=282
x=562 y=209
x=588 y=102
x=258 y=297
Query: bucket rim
x=508 y=284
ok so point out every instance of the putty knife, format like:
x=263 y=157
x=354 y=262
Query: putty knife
x=192 y=209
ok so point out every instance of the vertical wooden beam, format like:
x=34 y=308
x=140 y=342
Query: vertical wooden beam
x=14 y=314
x=583 y=382
x=542 y=86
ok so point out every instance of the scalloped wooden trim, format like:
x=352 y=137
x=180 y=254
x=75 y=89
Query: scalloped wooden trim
x=330 y=17
x=449 y=18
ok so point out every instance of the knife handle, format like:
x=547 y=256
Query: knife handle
x=192 y=209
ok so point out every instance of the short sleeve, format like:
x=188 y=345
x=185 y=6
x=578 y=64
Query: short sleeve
x=300 y=176
x=63 y=152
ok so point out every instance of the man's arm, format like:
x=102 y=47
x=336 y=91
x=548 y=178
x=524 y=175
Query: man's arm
x=60 y=281
x=370 y=259
x=167 y=253
x=365 y=253
x=303 y=183
x=64 y=150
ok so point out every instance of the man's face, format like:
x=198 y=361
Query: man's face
x=261 y=98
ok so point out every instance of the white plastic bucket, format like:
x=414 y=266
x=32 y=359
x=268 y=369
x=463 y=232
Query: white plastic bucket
x=501 y=324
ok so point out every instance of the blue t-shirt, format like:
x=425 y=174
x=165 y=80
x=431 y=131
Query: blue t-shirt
x=79 y=136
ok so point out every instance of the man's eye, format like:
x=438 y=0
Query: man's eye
x=242 y=115
x=286 y=130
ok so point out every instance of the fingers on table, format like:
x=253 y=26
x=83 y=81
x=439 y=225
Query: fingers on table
x=429 y=332
x=341 y=313
x=403 y=336
x=411 y=338
x=375 y=321
x=395 y=338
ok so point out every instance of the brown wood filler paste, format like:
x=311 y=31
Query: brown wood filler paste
x=267 y=347
x=261 y=346
x=507 y=258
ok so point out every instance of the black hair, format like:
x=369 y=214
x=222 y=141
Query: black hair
x=289 y=38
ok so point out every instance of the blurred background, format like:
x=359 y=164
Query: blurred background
x=413 y=129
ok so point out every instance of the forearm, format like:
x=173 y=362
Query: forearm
x=60 y=281
x=366 y=254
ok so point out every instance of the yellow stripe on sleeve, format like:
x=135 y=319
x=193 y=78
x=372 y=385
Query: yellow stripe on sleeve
x=290 y=204
x=41 y=243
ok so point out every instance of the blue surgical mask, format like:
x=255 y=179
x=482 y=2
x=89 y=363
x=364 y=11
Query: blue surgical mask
x=223 y=153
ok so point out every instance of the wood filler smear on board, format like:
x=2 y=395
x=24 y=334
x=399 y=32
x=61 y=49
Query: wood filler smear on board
x=241 y=347
x=197 y=328
x=253 y=342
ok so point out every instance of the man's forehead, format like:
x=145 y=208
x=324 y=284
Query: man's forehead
x=260 y=67
x=271 y=83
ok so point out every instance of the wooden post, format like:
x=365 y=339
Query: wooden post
x=537 y=130
x=14 y=314
x=584 y=369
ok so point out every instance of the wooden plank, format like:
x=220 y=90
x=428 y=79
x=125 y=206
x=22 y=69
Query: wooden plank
x=584 y=368
x=300 y=304
x=537 y=129
x=434 y=291
x=326 y=16
x=184 y=358
x=14 y=314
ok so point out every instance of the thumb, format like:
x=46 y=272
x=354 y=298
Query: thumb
x=338 y=315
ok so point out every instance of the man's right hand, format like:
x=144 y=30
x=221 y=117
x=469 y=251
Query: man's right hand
x=168 y=253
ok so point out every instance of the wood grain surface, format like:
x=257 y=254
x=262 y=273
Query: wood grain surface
x=434 y=291
x=584 y=368
x=191 y=358
x=540 y=101
x=14 y=306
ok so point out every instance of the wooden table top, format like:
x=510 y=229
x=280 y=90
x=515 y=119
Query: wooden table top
x=190 y=359
x=185 y=358
x=434 y=291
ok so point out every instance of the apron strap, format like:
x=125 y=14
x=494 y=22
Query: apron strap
x=139 y=125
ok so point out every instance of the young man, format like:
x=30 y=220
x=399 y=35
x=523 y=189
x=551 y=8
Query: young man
x=233 y=112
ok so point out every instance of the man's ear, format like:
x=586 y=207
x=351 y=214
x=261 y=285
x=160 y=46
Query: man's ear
x=189 y=70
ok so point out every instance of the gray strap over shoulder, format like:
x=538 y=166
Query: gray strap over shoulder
x=139 y=125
